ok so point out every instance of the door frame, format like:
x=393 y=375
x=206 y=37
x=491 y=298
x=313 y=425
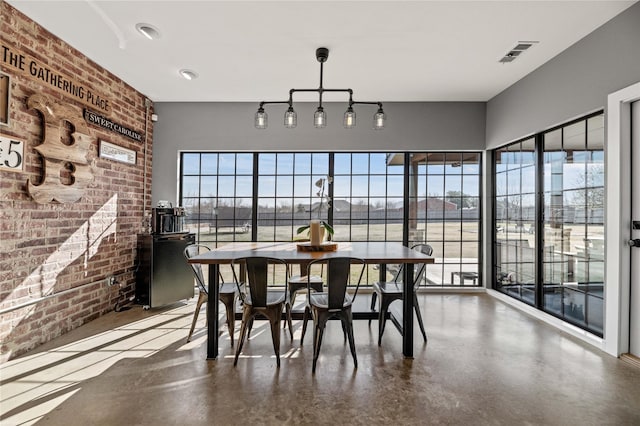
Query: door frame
x=618 y=220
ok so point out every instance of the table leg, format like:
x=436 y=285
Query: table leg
x=407 y=311
x=212 y=311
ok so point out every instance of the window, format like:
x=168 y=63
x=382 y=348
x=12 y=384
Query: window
x=515 y=241
x=573 y=277
x=549 y=242
x=216 y=191
x=444 y=211
x=362 y=195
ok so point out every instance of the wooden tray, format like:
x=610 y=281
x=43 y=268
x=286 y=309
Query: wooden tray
x=327 y=246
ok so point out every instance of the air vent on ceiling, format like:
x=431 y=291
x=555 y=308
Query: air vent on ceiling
x=516 y=51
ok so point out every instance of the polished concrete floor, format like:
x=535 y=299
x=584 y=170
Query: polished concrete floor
x=485 y=363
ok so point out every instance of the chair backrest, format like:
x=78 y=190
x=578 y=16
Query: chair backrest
x=257 y=272
x=193 y=250
x=338 y=277
x=419 y=269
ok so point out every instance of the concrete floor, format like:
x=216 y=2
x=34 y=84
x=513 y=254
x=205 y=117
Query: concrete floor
x=486 y=363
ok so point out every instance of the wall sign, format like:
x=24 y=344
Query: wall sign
x=5 y=87
x=11 y=154
x=116 y=153
x=94 y=118
x=58 y=157
x=27 y=66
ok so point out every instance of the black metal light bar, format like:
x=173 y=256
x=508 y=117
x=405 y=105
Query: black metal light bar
x=320 y=117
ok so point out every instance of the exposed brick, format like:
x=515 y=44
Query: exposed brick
x=43 y=247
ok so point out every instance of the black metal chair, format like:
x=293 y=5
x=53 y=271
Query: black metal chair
x=227 y=291
x=260 y=299
x=335 y=302
x=391 y=291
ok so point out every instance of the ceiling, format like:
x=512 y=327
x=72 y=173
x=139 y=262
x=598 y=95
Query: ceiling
x=258 y=50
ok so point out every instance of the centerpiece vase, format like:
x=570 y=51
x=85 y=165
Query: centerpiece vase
x=316 y=233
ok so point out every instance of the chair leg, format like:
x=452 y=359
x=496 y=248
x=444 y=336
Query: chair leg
x=289 y=322
x=250 y=326
x=382 y=318
x=419 y=315
x=347 y=320
x=229 y=301
x=246 y=317
x=318 y=332
x=274 y=318
x=374 y=296
x=201 y=299
x=305 y=318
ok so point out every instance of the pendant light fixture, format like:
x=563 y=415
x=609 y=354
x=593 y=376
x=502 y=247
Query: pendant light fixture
x=320 y=116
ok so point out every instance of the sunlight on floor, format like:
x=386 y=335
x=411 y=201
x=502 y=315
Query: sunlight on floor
x=36 y=384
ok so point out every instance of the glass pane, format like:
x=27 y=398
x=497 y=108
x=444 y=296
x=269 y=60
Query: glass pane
x=341 y=186
x=360 y=186
x=209 y=164
x=302 y=186
x=320 y=163
x=244 y=186
x=226 y=186
x=378 y=186
x=302 y=163
x=284 y=186
x=360 y=164
x=190 y=186
x=285 y=164
x=209 y=186
x=267 y=164
x=244 y=164
x=342 y=164
x=435 y=185
x=395 y=185
x=190 y=164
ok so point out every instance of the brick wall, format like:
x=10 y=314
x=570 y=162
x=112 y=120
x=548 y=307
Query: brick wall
x=55 y=258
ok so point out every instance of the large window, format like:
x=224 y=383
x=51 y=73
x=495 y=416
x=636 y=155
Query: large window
x=444 y=211
x=216 y=191
x=364 y=196
x=515 y=241
x=549 y=221
x=574 y=222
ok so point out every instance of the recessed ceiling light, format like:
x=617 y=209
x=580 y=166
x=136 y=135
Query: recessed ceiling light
x=188 y=74
x=149 y=31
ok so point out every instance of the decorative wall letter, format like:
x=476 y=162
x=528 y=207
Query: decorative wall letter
x=59 y=158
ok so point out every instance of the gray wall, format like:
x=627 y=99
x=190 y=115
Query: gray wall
x=229 y=127
x=574 y=83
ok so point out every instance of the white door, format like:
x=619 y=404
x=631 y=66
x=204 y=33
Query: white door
x=634 y=325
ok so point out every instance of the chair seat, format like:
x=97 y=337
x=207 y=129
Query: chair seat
x=321 y=300
x=228 y=288
x=273 y=297
x=302 y=279
x=391 y=288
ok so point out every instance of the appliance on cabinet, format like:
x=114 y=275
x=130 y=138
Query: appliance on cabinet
x=167 y=220
x=163 y=274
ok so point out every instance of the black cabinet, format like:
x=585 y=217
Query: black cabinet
x=163 y=275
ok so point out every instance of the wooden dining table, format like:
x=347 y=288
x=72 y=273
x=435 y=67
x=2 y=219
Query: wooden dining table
x=371 y=252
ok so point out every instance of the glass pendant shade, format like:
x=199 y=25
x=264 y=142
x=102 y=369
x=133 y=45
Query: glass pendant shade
x=320 y=118
x=290 y=118
x=261 y=119
x=378 y=119
x=349 y=119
